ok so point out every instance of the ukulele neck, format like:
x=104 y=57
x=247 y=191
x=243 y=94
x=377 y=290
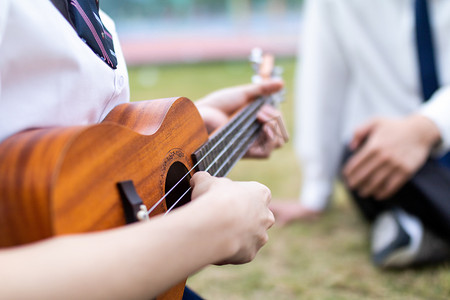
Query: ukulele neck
x=229 y=144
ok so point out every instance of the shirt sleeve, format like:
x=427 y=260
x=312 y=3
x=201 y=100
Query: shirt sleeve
x=322 y=80
x=4 y=4
x=438 y=110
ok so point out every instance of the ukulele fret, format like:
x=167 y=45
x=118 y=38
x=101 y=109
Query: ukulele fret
x=221 y=152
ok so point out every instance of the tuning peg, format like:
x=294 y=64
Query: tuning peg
x=256 y=55
x=256 y=58
x=277 y=72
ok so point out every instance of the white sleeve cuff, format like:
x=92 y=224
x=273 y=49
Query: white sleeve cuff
x=4 y=10
x=437 y=109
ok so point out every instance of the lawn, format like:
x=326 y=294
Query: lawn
x=326 y=259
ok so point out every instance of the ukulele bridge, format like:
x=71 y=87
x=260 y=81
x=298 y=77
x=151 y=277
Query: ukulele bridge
x=134 y=209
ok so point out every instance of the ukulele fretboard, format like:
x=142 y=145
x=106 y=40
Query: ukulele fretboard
x=227 y=146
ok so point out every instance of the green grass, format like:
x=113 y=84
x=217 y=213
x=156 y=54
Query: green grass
x=327 y=259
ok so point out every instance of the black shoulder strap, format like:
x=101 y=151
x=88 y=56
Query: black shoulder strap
x=63 y=7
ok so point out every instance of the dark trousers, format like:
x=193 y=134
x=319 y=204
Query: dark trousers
x=190 y=294
x=426 y=195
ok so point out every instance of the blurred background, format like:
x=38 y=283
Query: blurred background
x=193 y=47
x=171 y=31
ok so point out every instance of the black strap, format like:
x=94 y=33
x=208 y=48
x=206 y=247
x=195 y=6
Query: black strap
x=425 y=50
x=429 y=77
x=84 y=17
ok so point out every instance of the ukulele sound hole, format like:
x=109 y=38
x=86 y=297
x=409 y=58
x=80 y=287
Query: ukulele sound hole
x=179 y=195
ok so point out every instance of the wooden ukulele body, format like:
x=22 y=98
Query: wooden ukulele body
x=60 y=181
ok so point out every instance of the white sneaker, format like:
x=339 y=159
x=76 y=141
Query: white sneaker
x=400 y=240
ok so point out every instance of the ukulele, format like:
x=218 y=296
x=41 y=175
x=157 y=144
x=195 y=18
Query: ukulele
x=135 y=164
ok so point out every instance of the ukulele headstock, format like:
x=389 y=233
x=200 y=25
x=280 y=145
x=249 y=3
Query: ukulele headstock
x=264 y=68
x=263 y=65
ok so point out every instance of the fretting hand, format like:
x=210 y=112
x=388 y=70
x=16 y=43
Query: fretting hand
x=217 y=107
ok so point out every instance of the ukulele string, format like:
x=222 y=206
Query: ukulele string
x=232 y=128
x=238 y=150
x=264 y=99
x=237 y=153
x=229 y=144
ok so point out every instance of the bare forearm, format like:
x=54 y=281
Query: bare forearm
x=137 y=261
x=226 y=222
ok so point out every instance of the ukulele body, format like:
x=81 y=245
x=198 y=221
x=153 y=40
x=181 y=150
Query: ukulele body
x=64 y=180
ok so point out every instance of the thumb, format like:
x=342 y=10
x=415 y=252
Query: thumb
x=199 y=177
x=265 y=87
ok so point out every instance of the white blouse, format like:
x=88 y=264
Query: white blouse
x=48 y=75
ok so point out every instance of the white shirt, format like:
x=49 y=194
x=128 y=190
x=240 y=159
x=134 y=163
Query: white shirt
x=358 y=60
x=48 y=75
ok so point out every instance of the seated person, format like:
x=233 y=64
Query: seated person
x=371 y=107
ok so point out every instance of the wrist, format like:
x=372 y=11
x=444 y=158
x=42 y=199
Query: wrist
x=427 y=131
x=219 y=233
